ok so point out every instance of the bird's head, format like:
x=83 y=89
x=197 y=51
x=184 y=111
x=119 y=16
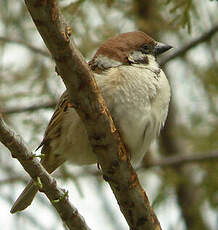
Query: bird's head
x=126 y=49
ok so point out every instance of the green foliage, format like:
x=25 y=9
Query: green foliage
x=181 y=12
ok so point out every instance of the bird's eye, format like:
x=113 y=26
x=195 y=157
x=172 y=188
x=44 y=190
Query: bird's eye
x=145 y=47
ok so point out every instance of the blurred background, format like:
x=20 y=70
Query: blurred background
x=180 y=171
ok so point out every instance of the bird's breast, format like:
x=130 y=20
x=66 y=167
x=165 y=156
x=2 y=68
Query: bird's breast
x=138 y=99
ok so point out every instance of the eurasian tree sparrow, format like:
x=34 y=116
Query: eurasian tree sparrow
x=136 y=93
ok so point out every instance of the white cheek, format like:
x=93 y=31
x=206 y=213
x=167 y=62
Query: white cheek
x=103 y=62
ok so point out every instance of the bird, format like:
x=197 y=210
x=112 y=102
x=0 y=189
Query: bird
x=136 y=92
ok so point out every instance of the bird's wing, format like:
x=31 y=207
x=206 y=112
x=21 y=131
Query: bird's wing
x=53 y=131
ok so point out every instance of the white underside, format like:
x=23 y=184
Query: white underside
x=137 y=99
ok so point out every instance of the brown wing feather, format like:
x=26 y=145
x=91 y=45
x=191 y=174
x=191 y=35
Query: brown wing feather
x=53 y=131
x=54 y=127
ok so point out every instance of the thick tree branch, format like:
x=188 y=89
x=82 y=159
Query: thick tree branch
x=31 y=108
x=57 y=196
x=23 y=43
x=182 y=51
x=88 y=102
x=179 y=160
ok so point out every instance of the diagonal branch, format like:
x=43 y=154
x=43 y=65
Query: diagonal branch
x=183 y=50
x=88 y=102
x=19 y=150
x=23 y=43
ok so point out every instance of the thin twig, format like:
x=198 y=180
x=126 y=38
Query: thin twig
x=31 y=108
x=180 y=160
x=23 y=43
x=20 y=151
x=174 y=161
x=178 y=53
x=183 y=50
x=10 y=180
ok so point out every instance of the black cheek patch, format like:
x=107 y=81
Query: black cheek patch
x=140 y=60
x=143 y=60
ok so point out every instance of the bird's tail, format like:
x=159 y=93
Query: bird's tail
x=25 y=198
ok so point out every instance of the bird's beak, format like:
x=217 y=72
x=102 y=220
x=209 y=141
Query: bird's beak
x=161 y=48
